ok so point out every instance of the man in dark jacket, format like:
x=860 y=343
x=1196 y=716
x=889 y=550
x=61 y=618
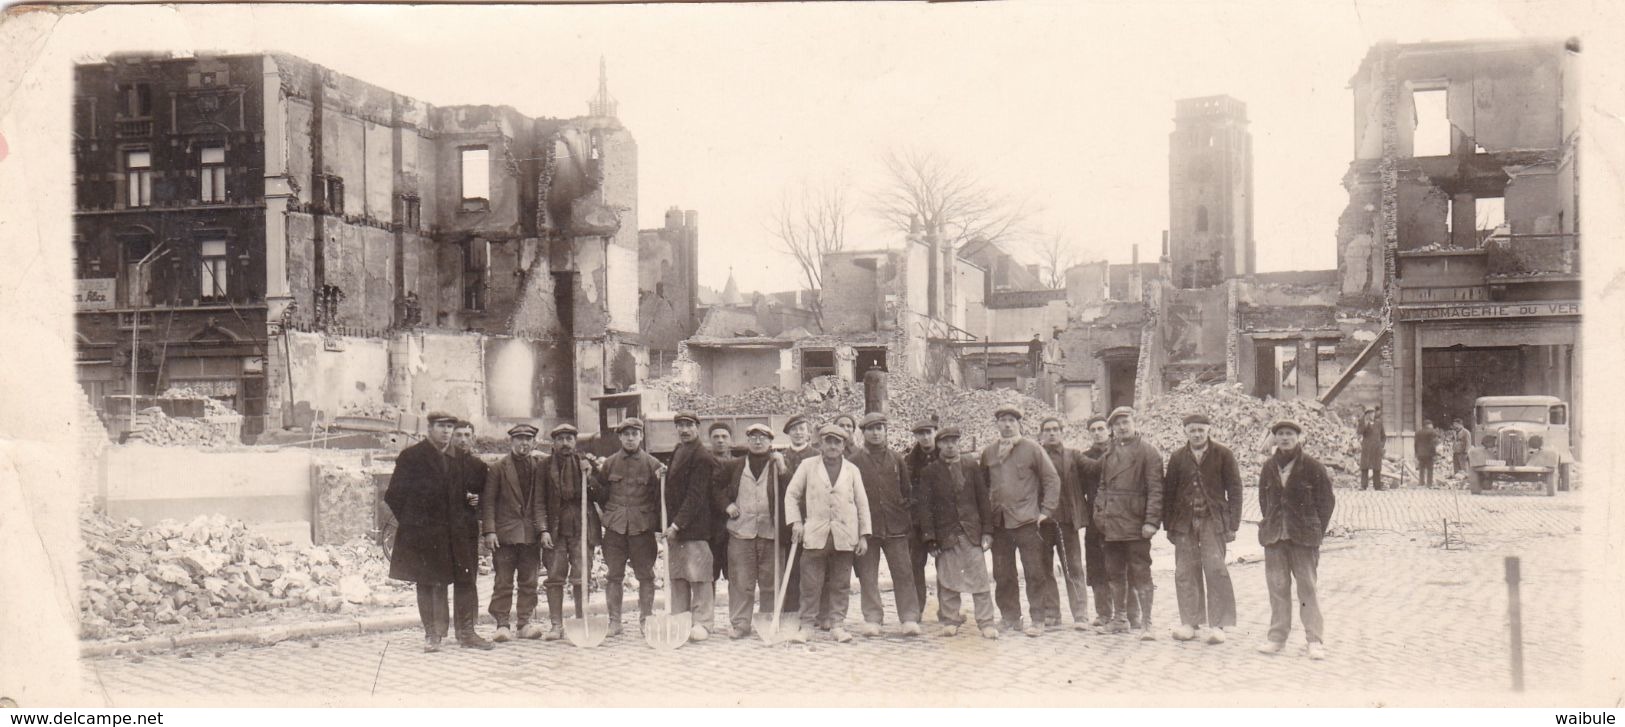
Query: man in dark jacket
x=690 y=502
x=627 y=489
x=1025 y=490
x=1427 y=447
x=721 y=437
x=1128 y=511
x=922 y=454
x=1372 y=439
x=1460 y=438
x=1094 y=544
x=513 y=518
x=959 y=532
x=437 y=544
x=893 y=510
x=1202 y=512
x=1295 y=497
x=564 y=476
x=1061 y=532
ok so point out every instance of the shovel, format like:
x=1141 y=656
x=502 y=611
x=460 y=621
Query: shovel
x=777 y=633
x=762 y=623
x=583 y=630
x=667 y=631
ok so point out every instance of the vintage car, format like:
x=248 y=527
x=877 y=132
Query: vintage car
x=1501 y=451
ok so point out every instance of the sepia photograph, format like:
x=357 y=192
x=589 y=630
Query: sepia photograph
x=1030 y=354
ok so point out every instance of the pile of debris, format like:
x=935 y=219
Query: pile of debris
x=158 y=428
x=211 y=406
x=135 y=578
x=1241 y=422
x=372 y=410
x=908 y=400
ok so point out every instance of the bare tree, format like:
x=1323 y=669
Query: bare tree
x=1055 y=254
x=810 y=222
x=925 y=188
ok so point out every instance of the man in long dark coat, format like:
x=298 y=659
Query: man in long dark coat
x=921 y=455
x=691 y=501
x=437 y=544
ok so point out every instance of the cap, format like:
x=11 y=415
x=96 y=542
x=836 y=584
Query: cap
x=1007 y=409
x=759 y=428
x=522 y=430
x=686 y=416
x=830 y=430
x=795 y=420
x=1285 y=423
x=1197 y=419
x=719 y=424
x=847 y=417
x=1057 y=421
x=1093 y=419
x=464 y=424
x=1122 y=411
x=948 y=433
x=872 y=419
x=924 y=425
x=565 y=428
x=629 y=423
x=436 y=417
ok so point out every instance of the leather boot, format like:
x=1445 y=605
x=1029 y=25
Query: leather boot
x=1103 y=605
x=555 y=606
x=613 y=592
x=1143 y=595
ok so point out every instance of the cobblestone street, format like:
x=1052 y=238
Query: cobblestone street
x=1402 y=613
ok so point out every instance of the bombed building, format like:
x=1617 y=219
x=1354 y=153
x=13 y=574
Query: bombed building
x=299 y=243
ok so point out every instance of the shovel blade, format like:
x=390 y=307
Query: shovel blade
x=667 y=632
x=587 y=632
x=789 y=624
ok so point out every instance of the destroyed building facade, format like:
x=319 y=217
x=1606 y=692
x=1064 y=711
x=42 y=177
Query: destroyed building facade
x=294 y=241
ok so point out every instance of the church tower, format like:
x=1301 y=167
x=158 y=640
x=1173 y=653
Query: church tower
x=1210 y=192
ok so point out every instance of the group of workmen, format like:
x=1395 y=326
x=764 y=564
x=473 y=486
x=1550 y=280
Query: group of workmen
x=837 y=499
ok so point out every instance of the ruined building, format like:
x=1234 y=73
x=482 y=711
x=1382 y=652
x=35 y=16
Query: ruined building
x=295 y=241
x=1210 y=192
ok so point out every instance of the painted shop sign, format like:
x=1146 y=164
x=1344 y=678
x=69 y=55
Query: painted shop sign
x=94 y=293
x=1490 y=310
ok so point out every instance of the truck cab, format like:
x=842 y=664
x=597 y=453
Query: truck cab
x=1500 y=450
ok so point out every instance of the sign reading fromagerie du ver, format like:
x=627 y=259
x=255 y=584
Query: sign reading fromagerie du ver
x=94 y=293
x=1471 y=311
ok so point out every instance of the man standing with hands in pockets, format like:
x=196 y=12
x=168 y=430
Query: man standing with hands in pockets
x=828 y=512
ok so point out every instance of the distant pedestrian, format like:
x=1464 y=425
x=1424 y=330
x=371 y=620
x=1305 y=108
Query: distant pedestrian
x=894 y=507
x=1295 y=497
x=828 y=513
x=437 y=543
x=627 y=488
x=1025 y=491
x=1094 y=544
x=753 y=489
x=920 y=456
x=1460 y=442
x=721 y=436
x=513 y=518
x=690 y=501
x=1060 y=533
x=1128 y=511
x=563 y=475
x=1427 y=447
x=959 y=533
x=1372 y=439
x=1202 y=512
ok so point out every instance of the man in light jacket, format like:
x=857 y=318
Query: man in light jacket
x=513 y=516
x=1025 y=491
x=1128 y=511
x=828 y=513
x=1202 y=510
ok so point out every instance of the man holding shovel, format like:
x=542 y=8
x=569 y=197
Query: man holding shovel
x=828 y=513
x=628 y=489
x=561 y=489
x=752 y=488
x=690 y=499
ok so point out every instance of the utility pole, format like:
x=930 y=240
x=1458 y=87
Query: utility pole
x=135 y=325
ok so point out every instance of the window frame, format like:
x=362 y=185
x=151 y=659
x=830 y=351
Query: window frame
x=137 y=180
x=214 y=270
x=211 y=175
x=473 y=203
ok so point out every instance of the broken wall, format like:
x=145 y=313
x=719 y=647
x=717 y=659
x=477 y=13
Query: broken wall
x=728 y=371
x=854 y=289
x=259 y=486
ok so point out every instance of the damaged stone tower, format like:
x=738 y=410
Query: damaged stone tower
x=1210 y=192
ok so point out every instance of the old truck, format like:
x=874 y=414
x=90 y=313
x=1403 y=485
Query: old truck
x=659 y=431
x=1500 y=451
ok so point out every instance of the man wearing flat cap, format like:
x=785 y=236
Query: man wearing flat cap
x=513 y=518
x=1202 y=511
x=690 y=503
x=959 y=533
x=802 y=448
x=564 y=480
x=919 y=456
x=1025 y=491
x=1060 y=533
x=752 y=489
x=1094 y=544
x=437 y=545
x=828 y=513
x=894 y=507
x=627 y=489
x=721 y=436
x=1295 y=497
x=1128 y=511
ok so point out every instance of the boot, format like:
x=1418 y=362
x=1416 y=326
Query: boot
x=555 y=613
x=613 y=592
x=1144 y=596
x=1103 y=606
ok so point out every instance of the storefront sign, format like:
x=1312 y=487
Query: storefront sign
x=94 y=293
x=1472 y=311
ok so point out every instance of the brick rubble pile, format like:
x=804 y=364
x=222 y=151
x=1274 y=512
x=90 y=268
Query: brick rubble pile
x=1241 y=422
x=159 y=429
x=135 y=578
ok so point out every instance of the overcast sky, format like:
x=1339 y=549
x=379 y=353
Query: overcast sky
x=1069 y=104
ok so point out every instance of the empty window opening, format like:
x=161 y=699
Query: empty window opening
x=1201 y=218
x=869 y=358
x=212 y=271
x=476 y=174
x=212 y=174
x=137 y=100
x=476 y=265
x=335 y=195
x=1329 y=370
x=138 y=177
x=1432 y=131
x=411 y=212
x=816 y=363
x=1488 y=214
